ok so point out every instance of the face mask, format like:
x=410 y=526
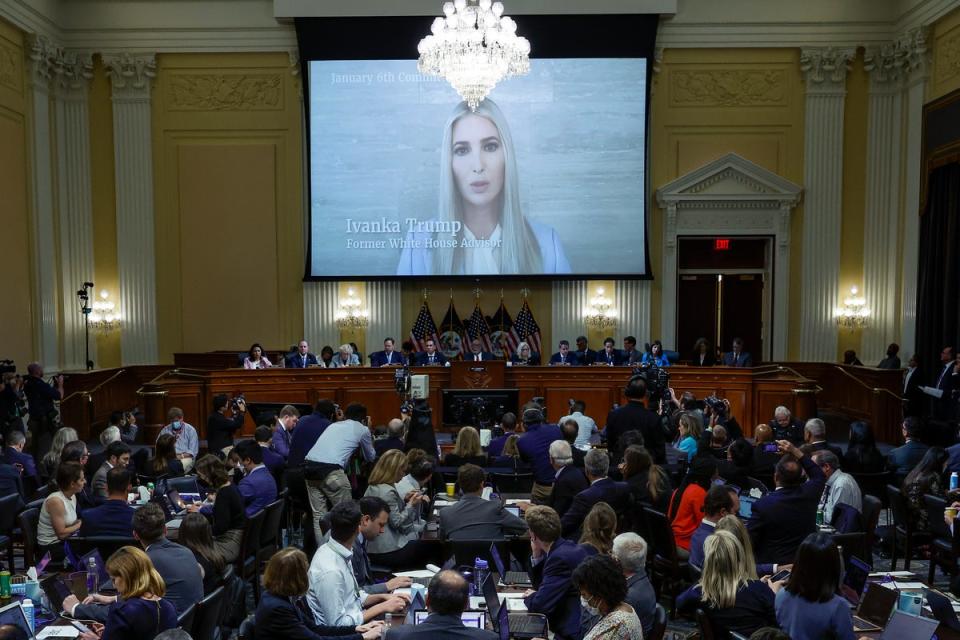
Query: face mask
x=589 y=609
x=177 y=425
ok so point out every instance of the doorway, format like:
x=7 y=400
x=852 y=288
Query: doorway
x=723 y=293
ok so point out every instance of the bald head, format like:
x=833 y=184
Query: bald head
x=763 y=433
x=448 y=593
x=395 y=428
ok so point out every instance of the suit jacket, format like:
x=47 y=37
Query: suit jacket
x=615 y=359
x=180 y=572
x=631 y=357
x=437 y=627
x=708 y=360
x=555 y=595
x=423 y=359
x=273 y=461
x=633 y=415
x=532 y=361
x=379 y=358
x=361 y=568
x=336 y=362
x=783 y=518
x=10 y=482
x=258 y=489
x=571 y=358
x=603 y=490
x=743 y=360
x=568 y=484
x=112 y=518
x=943 y=407
x=403 y=524
x=792 y=432
x=904 y=458
x=278 y=617
x=386 y=444
x=473 y=518
x=220 y=430
x=13 y=457
x=295 y=361
x=810 y=449
x=484 y=356
x=587 y=356
x=914 y=397
x=764 y=462
x=99 y=481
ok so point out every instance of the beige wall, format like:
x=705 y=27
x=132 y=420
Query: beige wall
x=945 y=76
x=16 y=332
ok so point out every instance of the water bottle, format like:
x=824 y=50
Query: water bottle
x=819 y=517
x=387 y=621
x=954 y=481
x=93 y=577
x=28 y=612
x=480 y=571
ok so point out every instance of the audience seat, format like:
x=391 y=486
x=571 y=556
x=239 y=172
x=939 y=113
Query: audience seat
x=183 y=484
x=874 y=484
x=872 y=507
x=208 y=614
x=246 y=564
x=270 y=531
x=668 y=570
x=8 y=522
x=704 y=625
x=185 y=619
x=28 y=520
x=107 y=545
x=945 y=546
x=515 y=482
x=902 y=528
x=659 y=628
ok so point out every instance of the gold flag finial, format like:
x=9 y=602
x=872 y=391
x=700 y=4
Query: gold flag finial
x=525 y=293
x=477 y=292
x=426 y=293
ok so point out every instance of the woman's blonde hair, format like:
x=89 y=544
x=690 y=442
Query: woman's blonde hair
x=286 y=573
x=510 y=446
x=519 y=252
x=468 y=443
x=389 y=469
x=600 y=527
x=722 y=573
x=735 y=525
x=137 y=573
x=61 y=438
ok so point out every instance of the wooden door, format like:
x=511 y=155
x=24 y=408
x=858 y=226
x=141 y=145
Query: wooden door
x=696 y=312
x=741 y=313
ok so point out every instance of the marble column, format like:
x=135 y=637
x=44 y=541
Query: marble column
x=383 y=301
x=40 y=56
x=881 y=222
x=569 y=300
x=130 y=78
x=632 y=302
x=71 y=80
x=914 y=45
x=320 y=314
x=826 y=73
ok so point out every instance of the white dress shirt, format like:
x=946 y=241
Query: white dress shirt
x=587 y=428
x=840 y=488
x=334 y=596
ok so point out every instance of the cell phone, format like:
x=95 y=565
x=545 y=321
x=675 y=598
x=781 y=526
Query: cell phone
x=770 y=448
x=780 y=575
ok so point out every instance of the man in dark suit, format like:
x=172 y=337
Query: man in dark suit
x=375 y=514
x=13 y=454
x=114 y=517
x=912 y=393
x=601 y=489
x=394 y=439
x=477 y=353
x=609 y=355
x=258 y=487
x=308 y=431
x=564 y=357
x=904 y=458
x=430 y=357
x=738 y=357
x=570 y=480
x=448 y=596
x=585 y=354
x=783 y=518
x=301 y=358
x=534 y=448
x=630 y=355
x=472 y=517
x=220 y=428
x=118 y=455
x=720 y=501
x=11 y=482
x=815 y=438
x=634 y=416
x=786 y=427
x=553 y=560
x=944 y=383
x=509 y=425
x=388 y=357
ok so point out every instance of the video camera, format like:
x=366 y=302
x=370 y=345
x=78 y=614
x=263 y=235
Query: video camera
x=7 y=366
x=235 y=403
x=717 y=405
x=657 y=379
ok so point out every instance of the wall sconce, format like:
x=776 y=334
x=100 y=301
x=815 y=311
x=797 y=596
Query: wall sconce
x=854 y=313
x=600 y=314
x=104 y=316
x=350 y=315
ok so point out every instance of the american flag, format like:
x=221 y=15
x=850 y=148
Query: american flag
x=527 y=328
x=501 y=322
x=478 y=329
x=424 y=328
x=451 y=328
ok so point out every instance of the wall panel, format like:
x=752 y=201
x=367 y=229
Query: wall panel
x=946 y=56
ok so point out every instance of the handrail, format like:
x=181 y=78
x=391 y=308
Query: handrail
x=169 y=372
x=778 y=368
x=92 y=391
x=876 y=390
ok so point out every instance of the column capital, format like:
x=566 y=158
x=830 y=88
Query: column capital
x=40 y=51
x=130 y=75
x=891 y=63
x=72 y=72
x=825 y=68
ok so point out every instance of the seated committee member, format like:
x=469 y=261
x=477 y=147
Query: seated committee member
x=569 y=479
x=601 y=489
x=58 y=515
x=334 y=596
x=586 y=355
x=655 y=356
x=480 y=208
x=220 y=428
x=783 y=518
x=187 y=443
x=430 y=357
x=630 y=355
x=114 y=517
x=609 y=355
x=603 y=591
x=702 y=354
x=255 y=358
x=553 y=560
x=466 y=450
x=472 y=517
x=345 y=357
x=282 y=612
x=448 y=596
x=118 y=455
x=140 y=610
x=525 y=356
x=389 y=357
x=564 y=357
x=477 y=354
x=398 y=546
x=258 y=487
x=302 y=358
x=737 y=357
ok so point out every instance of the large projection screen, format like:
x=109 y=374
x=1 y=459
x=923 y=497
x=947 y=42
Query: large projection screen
x=546 y=179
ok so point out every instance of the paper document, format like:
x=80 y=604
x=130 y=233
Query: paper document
x=931 y=391
x=58 y=631
x=892 y=574
x=418 y=573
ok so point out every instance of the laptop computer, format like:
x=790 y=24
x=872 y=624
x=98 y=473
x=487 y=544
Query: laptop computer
x=416 y=603
x=521 y=625
x=471 y=619
x=512 y=578
x=14 y=615
x=746 y=506
x=875 y=608
x=903 y=625
x=942 y=609
x=56 y=591
x=854 y=579
x=81 y=564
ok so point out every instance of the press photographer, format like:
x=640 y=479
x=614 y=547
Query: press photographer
x=12 y=405
x=44 y=417
x=220 y=428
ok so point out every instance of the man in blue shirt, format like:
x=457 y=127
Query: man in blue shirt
x=272 y=460
x=283 y=436
x=308 y=431
x=534 y=447
x=258 y=487
x=114 y=517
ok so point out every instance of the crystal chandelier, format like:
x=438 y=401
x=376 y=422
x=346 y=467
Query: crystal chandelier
x=104 y=316
x=350 y=315
x=854 y=313
x=474 y=47
x=600 y=314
